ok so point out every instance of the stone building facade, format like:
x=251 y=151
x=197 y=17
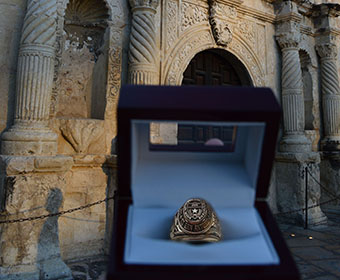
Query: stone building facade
x=62 y=64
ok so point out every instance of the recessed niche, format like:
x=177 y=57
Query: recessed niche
x=82 y=76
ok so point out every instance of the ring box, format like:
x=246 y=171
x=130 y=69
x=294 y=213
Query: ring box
x=155 y=179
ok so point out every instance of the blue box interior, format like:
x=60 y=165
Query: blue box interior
x=162 y=181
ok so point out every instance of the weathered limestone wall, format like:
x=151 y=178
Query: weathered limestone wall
x=32 y=186
x=11 y=19
x=85 y=233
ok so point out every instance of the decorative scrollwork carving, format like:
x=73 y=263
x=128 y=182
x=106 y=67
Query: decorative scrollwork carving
x=192 y=14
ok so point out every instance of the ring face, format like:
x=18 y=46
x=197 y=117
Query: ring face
x=195 y=216
x=196 y=221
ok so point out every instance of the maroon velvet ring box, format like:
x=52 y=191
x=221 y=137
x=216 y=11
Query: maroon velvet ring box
x=215 y=143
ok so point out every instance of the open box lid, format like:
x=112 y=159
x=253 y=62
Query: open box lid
x=254 y=111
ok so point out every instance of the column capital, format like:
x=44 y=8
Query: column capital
x=288 y=25
x=150 y=5
x=327 y=50
x=288 y=39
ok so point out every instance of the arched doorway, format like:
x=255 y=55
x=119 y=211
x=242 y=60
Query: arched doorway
x=216 y=67
x=212 y=67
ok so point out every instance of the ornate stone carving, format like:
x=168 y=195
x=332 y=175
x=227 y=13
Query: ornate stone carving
x=250 y=60
x=248 y=31
x=180 y=57
x=192 y=14
x=114 y=73
x=327 y=50
x=81 y=133
x=261 y=46
x=221 y=31
x=172 y=20
x=30 y=133
x=288 y=39
x=143 y=52
x=220 y=28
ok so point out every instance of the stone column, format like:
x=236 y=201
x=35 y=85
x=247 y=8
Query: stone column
x=330 y=96
x=288 y=37
x=295 y=149
x=327 y=49
x=143 y=53
x=30 y=133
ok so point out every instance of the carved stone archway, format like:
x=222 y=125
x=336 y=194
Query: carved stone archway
x=200 y=40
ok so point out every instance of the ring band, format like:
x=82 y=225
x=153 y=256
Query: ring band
x=196 y=221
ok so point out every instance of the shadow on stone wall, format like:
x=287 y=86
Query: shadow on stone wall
x=49 y=262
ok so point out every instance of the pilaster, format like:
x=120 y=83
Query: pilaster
x=288 y=36
x=30 y=133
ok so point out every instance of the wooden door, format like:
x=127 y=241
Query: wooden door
x=208 y=68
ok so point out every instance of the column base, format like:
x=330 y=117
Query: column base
x=55 y=269
x=330 y=143
x=291 y=187
x=17 y=272
x=295 y=143
x=32 y=186
x=51 y=269
x=29 y=141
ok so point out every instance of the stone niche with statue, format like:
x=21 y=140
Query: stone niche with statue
x=63 y=63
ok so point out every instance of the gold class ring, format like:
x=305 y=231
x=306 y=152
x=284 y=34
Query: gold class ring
x=196 y=221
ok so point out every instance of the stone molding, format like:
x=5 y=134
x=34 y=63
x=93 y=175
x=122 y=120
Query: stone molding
x=95 y=161
x=15 y=165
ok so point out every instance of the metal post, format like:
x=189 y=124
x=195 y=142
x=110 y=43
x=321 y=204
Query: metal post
x=306 y=197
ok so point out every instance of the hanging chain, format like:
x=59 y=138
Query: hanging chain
x=335 y=197
x=57 y=213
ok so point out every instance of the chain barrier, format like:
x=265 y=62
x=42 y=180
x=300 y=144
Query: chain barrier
x=335 y=197
x=57 y=213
